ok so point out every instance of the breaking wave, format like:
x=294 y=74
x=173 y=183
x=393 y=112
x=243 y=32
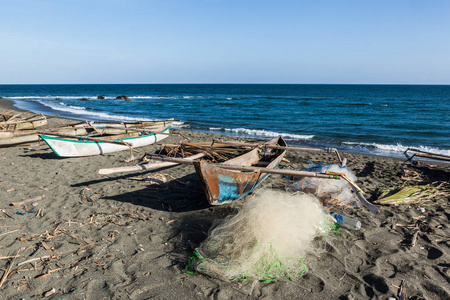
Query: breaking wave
x=395 y=149
x=261 y=133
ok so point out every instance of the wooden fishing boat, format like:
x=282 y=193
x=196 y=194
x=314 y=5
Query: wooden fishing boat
x=21 y=124
x=224 y=185
x=10 y=138
x=231 y=179
x=73 y=146
x=215 y=162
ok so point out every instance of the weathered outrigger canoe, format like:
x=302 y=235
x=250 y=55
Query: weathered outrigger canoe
x=10 y=138
x=73 y=146
x=424 y=154
x=223 y=185
x=250 y=169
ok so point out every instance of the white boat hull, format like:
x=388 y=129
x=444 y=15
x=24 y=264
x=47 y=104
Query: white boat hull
x=66 y=147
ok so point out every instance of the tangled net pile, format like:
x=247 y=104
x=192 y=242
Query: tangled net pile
x=267 y=239
x=331 y=192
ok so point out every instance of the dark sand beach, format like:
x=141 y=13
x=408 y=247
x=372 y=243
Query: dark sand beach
x=117 y=237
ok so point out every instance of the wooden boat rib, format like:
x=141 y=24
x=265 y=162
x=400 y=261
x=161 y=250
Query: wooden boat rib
x=223 y=185
x=88 y=146
x=10 y=138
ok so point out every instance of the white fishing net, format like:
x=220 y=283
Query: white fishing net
x=268 y=238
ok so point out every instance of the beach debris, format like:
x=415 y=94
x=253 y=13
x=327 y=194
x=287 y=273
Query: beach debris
x=5 y=233
x=421 y=209
x=33 y=259
x=157 y=179
x=6 y=214
x=50 y=292
x=267 y=239
x=9 y=268
x=26 y=212
x=414 y=238
x=35 y=199
x=39 y=251
x=402 y=290
x=331 y=192
x=347 y=221
x=410 y=194
x=40 y=213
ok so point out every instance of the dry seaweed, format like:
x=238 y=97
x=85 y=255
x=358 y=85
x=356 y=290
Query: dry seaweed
x=412 y=194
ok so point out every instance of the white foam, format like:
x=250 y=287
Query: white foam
x=263 y=133
x=398 y=148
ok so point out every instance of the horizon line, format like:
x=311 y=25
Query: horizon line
x=442 y=84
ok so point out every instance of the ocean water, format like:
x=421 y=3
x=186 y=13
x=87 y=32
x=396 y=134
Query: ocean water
x=375 y=119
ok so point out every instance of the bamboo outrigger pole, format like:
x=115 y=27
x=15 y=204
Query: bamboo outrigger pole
x=327 y=150
x=86 y=138
x=142 y=167
x=326 y=175
x=139 y=130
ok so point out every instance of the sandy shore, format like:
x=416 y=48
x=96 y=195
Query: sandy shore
x=117 y=237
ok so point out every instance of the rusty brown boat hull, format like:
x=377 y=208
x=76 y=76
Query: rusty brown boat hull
x=223 y=185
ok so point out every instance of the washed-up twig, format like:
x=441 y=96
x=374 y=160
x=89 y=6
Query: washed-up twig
x=49 y=293
x=8 y=215
x=8 y=270
x=27 y=201
x=40 y=213
x=33 y=259
x=27 y=279
x=414 y=238
x=5 y=233
x=394 y=224
x=9 y=257
x=401 y=292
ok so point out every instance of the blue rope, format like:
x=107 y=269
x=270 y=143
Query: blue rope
x=24 y=213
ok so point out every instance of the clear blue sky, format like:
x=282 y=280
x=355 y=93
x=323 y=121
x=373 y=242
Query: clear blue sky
x=225 y=41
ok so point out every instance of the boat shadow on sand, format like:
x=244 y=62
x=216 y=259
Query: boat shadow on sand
x=182 y=194
x=42 y=155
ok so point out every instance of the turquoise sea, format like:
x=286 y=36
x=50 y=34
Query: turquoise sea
x=375 y=119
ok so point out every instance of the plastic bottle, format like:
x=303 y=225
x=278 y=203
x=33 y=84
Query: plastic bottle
x=347 y=222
